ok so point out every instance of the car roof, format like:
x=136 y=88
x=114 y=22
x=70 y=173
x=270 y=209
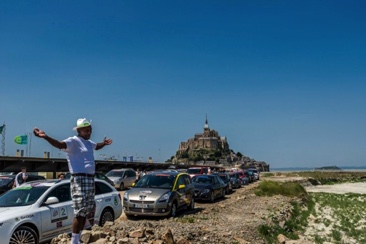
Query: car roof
x=172 y=173
x=51 y=182
x=124 y=169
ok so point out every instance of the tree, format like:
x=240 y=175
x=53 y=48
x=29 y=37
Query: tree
x=185 y=155
x=239 y=154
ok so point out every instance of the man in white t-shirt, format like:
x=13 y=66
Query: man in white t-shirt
x=21 y=177
x=80 y=157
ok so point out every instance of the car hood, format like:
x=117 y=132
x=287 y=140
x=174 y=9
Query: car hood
x=114 y=178
x=6 y=212
x=148 y=194
x=201 y=186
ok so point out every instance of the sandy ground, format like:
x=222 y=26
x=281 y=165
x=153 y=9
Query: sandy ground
x=339 y=188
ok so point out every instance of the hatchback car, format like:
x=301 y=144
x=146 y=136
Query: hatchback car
x=40 y=210
x=193 y=171
x=122 y=178
x=159 y=194
x=255 y=173
x=7 y=181
x=208 y=187
x=225 y=177
x=235 y=180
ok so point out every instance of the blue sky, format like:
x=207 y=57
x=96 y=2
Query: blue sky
x=284 y=81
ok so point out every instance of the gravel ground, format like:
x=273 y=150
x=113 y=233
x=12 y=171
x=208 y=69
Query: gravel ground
x=234 y=219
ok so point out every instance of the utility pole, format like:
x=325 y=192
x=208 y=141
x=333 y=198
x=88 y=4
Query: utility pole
x=2 y=128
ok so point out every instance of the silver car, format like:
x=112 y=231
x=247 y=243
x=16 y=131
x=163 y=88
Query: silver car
x=122 y=178
x=159 y=194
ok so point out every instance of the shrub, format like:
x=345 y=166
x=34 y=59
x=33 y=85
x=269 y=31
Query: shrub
x=270 y=188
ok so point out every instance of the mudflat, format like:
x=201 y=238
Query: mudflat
x=359 y=187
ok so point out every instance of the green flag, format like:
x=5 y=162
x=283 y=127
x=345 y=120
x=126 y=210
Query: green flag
x=1 y=129
x=21 y=139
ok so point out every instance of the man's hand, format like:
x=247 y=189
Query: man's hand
x=107 y=141
x=39 y=133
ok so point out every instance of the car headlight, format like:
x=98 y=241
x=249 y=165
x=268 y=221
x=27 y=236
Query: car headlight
x=164 y=197
x=206 y=191
x=125 y=196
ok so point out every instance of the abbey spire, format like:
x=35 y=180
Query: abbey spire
x=206 y=124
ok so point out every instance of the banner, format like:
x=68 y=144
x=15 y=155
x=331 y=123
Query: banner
x=21 y=139
x=1 y=129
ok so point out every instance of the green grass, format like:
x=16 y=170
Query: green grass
x=299 y=214
x=271 y=188
x=348 y=211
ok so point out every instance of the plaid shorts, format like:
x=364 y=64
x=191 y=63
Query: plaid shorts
x=83 y=195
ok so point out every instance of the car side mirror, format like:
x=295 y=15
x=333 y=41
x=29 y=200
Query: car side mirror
x=51 y=200
x=182 y=186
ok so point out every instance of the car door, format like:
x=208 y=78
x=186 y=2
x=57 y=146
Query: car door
x=217 y=186
x=131 y=177
x=189 y=188
x=57 y=218
x=181 y=193
x=99 y=200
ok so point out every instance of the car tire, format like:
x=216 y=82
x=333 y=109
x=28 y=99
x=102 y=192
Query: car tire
x=24 y=234
x=223 y=193
x=121 y=187
x=191 y=204
x=212 y=197
x=173 y=210
x=107 y=215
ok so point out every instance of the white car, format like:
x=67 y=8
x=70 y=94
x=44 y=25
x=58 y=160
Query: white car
x=38 y=211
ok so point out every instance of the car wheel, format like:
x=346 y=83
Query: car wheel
x=212 y=197
x=121 y=187
x=24 y=234
x=107 y=215
x=191 y=204
x=173 y=210
x=223 y=193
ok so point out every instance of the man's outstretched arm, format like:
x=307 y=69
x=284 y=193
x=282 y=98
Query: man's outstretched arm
x=105 y=142
x=58 y=144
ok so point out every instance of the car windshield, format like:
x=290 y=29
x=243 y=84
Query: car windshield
x=22 y=196
x=223 y=177
x=234 y=176
x=194 y=171
x=165 y=181
x=4 y=180
x=114 y=174
x=202 y=180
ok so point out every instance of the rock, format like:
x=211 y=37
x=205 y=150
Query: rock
x=281 y=239
x=137 y=233
x=85 y=236
x=168 y=237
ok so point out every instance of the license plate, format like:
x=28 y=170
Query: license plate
x=141 y=205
